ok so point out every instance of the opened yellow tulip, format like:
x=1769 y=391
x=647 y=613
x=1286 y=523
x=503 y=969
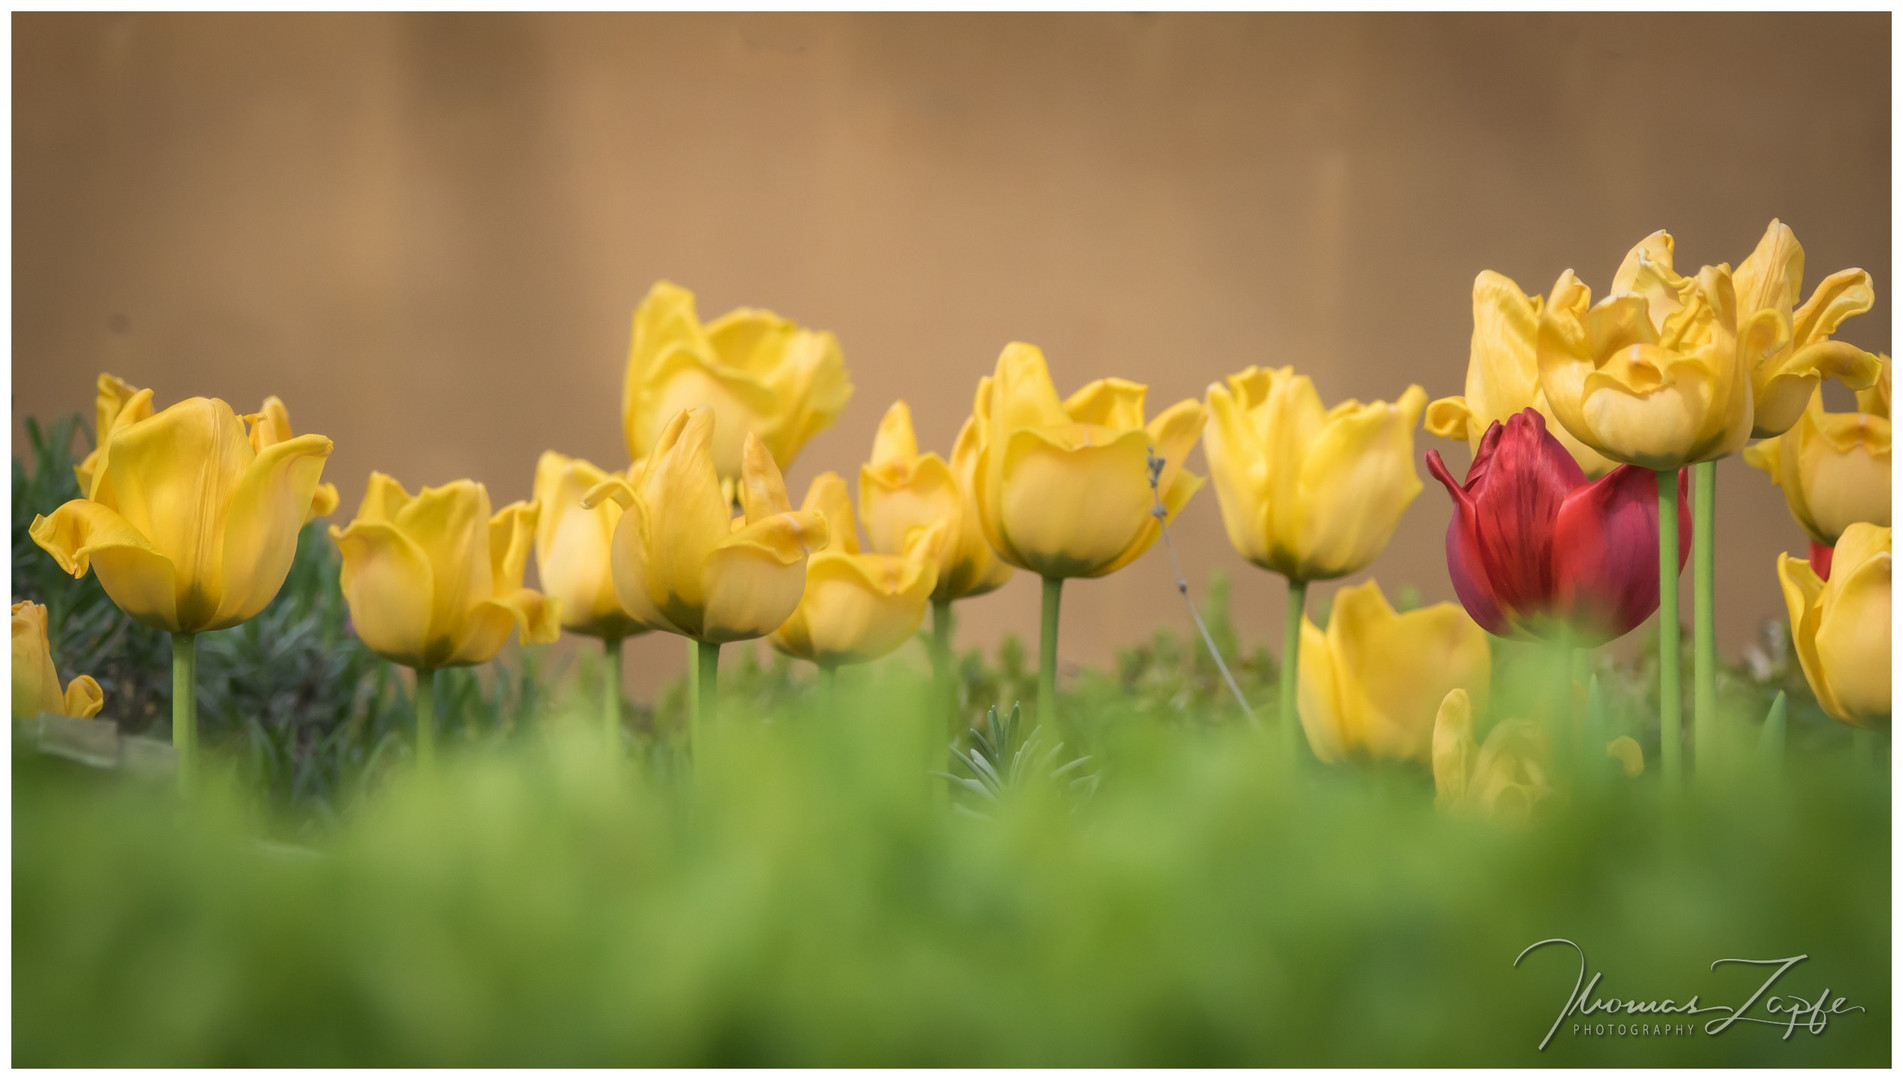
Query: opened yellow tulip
x=573 y=545
x=1371 y=685
x=120 y=404
x=189 y=525
x=1657 y=374
x=759 y=374
x=902 y=492
x=36 y=687
x=1799 y=354
x=1503 y=373
x=683 y=563
x=1309 y=493
x=1063 y=486
x=1834 y=468
x=856 y=607
x=1841 y=628
x=434 y=581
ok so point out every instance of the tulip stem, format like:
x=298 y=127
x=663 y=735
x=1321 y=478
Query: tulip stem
x=707 y=682
x=1704 y=635
x=611 y=694
x=426 y=719
x=1670 y=746
x=1863 y=743
x=1291 y=666
x=1047 y=653
x=828 y=689
x=944 y=689
x=185 y=709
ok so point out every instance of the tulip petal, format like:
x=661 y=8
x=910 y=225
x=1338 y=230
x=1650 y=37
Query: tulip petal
x=755 y=578
x=1802 y=590
x=1853 y=630
x=486 y=628
x=811 y=376
x=895 y=440
x=1394 y=668
x=451 y=525
x=1174 y=433
x=511 y=537
x=737 y=404
x=261 y=525
x=664 y=322
x=635 y=587
x=1355 y=483
x=1836 y=298
x=1450 y=417
x=752 y=340
x=1772 y=275
x=387 y=580
x=827 y=496
x=1453 y=748
x=1606 y=553
x=1073 y=503
x=857 y=608
x=688 y=515
x=763 y=488
x=83 y=698
x=383 y=499
x=1656 y=248
x=1466 y=563
x=1113 y=403
x=1318 y=697
x=82 y=535
x=1240 y=471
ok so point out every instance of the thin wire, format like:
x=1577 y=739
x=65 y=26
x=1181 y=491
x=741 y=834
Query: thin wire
x=1182 y=586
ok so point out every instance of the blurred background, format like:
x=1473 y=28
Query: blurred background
x=427 y=233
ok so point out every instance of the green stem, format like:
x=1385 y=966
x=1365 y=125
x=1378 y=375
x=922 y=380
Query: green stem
x=707 y=681
x=1704 y=633
x=185 y=709
x=829 y=689
x=611 y=695
x=426 y=719
x=1565 y=732
x=1291 y=667
x=1047 y=653
x=1670 y=744
x=1864 y=744
x=944 y=689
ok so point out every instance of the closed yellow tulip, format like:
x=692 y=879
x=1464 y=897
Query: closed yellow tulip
x=120 y=404
x=1503 y=373
x=1800 y=354
x=1063 y=486
x=1503 y=779
x=1658 y=373
x=1841 y=628
x=433 y=580
x=189 y=525
x=902 y=492
x=683 y=563
x=1834 y=468
x=36 y=687
x=759 y=375
x=1309 y=493
x=573 y=546
x=1373 y=682
x=856 y=606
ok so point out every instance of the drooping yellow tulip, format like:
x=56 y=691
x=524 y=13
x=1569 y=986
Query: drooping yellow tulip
x=573 y=546
x=189 y=525
x=856 y=606
x=434 y=581
x=36 y=686
x=759 y=374
x=1785 y=374
x=1373 y=682
x=1841 y=628
x=1503 y=779
x=1834 y=468
x=902 y=492
x=120 y=404
x=1311 y=494
x=1503 y=373
x=681 y=561
x=1063 y=486
x=1658 y=373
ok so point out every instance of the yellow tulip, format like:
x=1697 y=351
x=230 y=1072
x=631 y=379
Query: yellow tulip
x=1834 y=467
x=1063 y=486
x=683 y=563
x=120 y=404
x=1785 y=375
x=901 y=492
x=856 y=607
x=433 y=581
x=1503 y=779
x=36 y=687
x=189 y=526
x=573 y=545
x=1841 y=628
x=1309 y=493
x=1657 y=374
x=759 y=374
x=1370 y=685
x=1503 y=373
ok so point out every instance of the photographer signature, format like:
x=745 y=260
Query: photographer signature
x=1814 y=1014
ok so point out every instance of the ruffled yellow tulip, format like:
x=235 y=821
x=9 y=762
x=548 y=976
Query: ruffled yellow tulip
x=1503 y=373
x=681 y=561
x=434 y=581
x=573 y=546
x=1309 y=493
x=1800 y=353
x=1834 y=468
x=1841 y=628
x=902 y=492
x=856 y=607
x=189 y=525
x=120 y=404
x=1658 y=373
x=1372 y=683
x=36 y=686
x=759 y=375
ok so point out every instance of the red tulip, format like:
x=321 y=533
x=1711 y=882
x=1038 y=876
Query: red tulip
x=1535 y=547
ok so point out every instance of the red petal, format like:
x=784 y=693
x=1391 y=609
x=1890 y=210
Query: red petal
x=1515 y=507
x=1463 y=550
x=1606 y=555
x=1820 y=559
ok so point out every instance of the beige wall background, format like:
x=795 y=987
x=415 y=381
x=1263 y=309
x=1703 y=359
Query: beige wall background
x=427 y=232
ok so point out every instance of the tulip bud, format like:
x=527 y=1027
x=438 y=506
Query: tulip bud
x=901 y=490
x=36 y=686
x=573 y=545
x=1834 y=468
